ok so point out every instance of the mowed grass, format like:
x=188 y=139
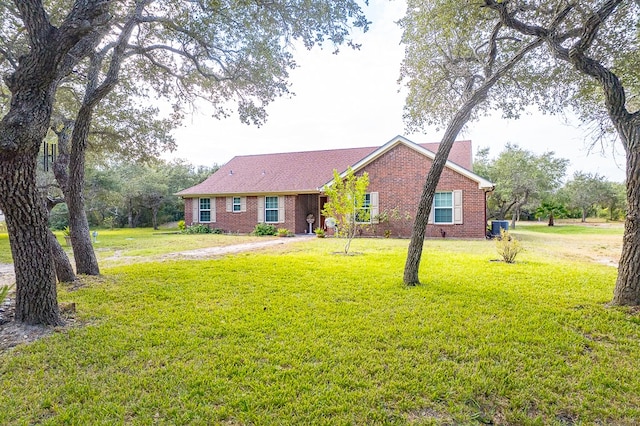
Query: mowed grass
x=301 y=335
x=119 y=246
x=134 y=245
x=592 y=241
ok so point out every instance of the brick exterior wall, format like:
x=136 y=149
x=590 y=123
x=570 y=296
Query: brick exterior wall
x=245 y=222
x=397 y=176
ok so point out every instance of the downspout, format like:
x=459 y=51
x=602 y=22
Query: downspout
x=485 y=208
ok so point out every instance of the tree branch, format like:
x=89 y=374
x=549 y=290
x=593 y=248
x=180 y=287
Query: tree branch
x=36 y=22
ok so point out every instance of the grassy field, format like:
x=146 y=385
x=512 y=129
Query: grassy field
x=301 y=335
x=134 y=245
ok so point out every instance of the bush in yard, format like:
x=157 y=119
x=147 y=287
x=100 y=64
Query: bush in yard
x=197 y=229
x=109 y=222
x=181 y=225
x=508 y=247
x=263 y=229
x=284 y=232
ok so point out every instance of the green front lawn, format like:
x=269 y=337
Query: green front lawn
x=125 y=245
x=300 y=335
x=573 y=228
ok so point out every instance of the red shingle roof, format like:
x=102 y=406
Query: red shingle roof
x=296 y=172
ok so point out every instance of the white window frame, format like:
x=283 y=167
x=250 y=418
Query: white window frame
x=210 y=210
x=262 y=208
x=442 y=208
x=456 y=208
x=231 y=204
x=267 y=208
x=371 y=204
x=236 y=204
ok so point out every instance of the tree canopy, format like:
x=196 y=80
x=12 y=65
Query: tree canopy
x=521 y=177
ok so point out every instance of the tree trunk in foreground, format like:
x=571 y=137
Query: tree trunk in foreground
x=26 y=218
x=83 y=253
x=627 y=125
x=414 y=254
x=69 y=172
x=453 y=128
x=627 y=289
x=33 y=85
x=62 y=265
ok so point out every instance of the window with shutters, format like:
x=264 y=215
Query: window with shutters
x=237 y=204
x=271 y=209
x=443 y=207
x=363 y=214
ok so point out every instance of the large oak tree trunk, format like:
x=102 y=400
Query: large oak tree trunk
x=414 y=254
x=83 y=253
x=69 y=172
x=62 y=265
x=627 y=289
x=26 y=218
x=22 y=129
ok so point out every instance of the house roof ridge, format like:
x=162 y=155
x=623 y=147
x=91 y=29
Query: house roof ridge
x=314 y=151
x=374 y=147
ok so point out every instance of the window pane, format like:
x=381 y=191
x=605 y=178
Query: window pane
x=443 y=216
x=271 y=216
x=363 y=215
x=443 y=199
x=205 y=216
x=271 y=202
x=367 y=200
x=205 y=203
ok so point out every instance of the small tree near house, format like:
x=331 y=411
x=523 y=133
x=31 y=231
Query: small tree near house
x=347 y=203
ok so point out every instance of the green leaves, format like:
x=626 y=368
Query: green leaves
x=346 y=204
x=521 y=177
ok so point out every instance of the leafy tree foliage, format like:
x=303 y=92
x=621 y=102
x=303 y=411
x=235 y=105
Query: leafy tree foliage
x=585 y=191
x=551 y=210
x=614 y=200
x=522 y=178
x=134 y=194
x=346 y=195
x=596 y=48
x=589 y=63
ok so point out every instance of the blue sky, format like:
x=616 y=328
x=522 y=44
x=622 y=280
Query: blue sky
x=353 y=99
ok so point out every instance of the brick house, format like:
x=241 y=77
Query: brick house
x=286 y=189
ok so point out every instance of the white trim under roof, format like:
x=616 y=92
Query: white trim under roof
x=482 y=182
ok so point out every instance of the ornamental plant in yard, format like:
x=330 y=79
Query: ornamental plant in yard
x=508 y=247
x=264 y=229
x=347 y=203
